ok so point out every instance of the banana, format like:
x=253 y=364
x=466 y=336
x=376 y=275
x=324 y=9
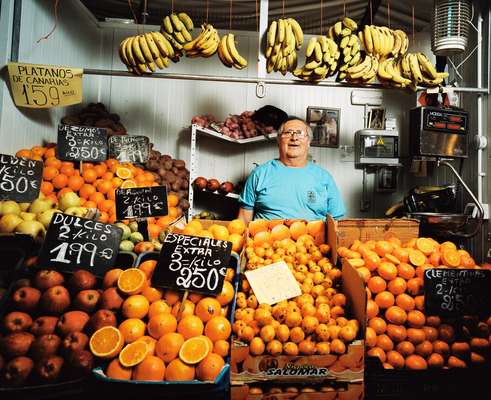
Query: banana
x=350 y=24
x=376 y=40
x=289 y=43
x=414 y=65
x=321 y=71
x=176 y=23
x=239 y=60
x=313 y=64
x=311 y=46
x=269 y=51
x=137 y=51
x=292 y=61
x=151 y=66
x=175 y=44
x=382 y=71
x=280 y=37
x=404 y=41
x=145 y=49
x=355 y=59
x=346 y=32
x=129 y=52
x=151 y=45
x=357 y=71
x=331 y=33
x=406 y=69
x=373 y=70
x=297 y=31
x=338 y=27
x=392 y=69
x=347 y=59
x=223 y=53
x=346 y=51
x=187 y=36
x=397 y=45
x=204 y=36
x=122 y=52
x=159 y=62
x=212 y=48
x=367 y=36
x=167 y=25
x=272 y=33
x=353 y=41
x=186 y=20
x=179 y=37
x=142 y=68
x=318 y=52
x=324 y=44
x=162 y=44
x=427 y=65
x=344 y=42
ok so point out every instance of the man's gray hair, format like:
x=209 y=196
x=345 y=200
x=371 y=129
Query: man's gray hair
x=292 y=118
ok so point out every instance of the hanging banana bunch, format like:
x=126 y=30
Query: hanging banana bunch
x=382 y=41
x=228 y=53
x=321 y=59
x=284 y=37
x=363 y=72
x=420 y=70
x=176 y=28
x=146 y=52
x=205 y=45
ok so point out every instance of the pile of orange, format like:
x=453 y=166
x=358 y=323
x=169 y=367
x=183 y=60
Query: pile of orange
x=158 y=339
x=96 y=184
x=399 y=332
x=313 y=323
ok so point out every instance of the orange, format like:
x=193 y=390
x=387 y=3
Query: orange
x=116 y=182
x=218 y=328
x=168 y=346
x=151 y=343
x=75 y=182
x=49 y=173
x=236 y=226
x=90 y=204
x=415 y=335
x=63 y=191
x=417 y=258
x=405 y=271
x=190 y=326
x=52 y=162
x=425 y=245
x=237 y=241
x=194 y=350
x=151 y=368
x=208 y=308
x=135 y=306
x=171 y=297
x=377 y=352
x=396 y=332
x=395 y=359
x=219 y=232
x=395 y=315
x=97 y=198
x=152 y=294
x=397 y=286
x=154 y=231
x=116 y=371
x=128 y=183
x=161 y=324
x=384 y=299
x=124 y=173
x=148 y=267
x=221 y=347
x=46 y=187
x=256 y=347
x=258 y=225
x=262 y=238
x=451 y=258
x=280 y=232
x=131 y=281
x=227 y=294
x=435 y=360
x=106 y=342
x=100 y=169
x=60 y=181
x=210 y=367
x=372 y=309
x=405 y=301
x=187 y=310
x=25 y=153
x=416 y=319
x=107 y=176
x=67 y=170
x=383 y=247
x=133 y=353
x=50 y=152
x=387 y=270
x=401 y=253
x=297 y=229
x=416 y=362
x=86 y=190
x=110 y=162
x=376 y=284
x=414 y=286
x=89 y=175
x=385 y=342
x=179 y=371
x=104 y=186
x=132 y=329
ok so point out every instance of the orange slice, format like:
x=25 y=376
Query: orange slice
x=133 y=353
x=425 y=245
x=131 y=281
x=128 y=184
x=451 y=258
x=417 y=258
x=194 y=350
x=356 y=262
x=106 y=342
x=124 y=173
x=392 y=259
x=448 y=245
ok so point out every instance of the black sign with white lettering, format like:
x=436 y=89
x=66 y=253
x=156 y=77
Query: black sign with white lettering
x=20 y=178
x=142 y=202
x=453 y=292
x=73 y=243
x=126 y=148
x=192 y=263
x=81 y=143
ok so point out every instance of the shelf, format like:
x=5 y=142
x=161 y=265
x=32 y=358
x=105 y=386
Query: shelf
x=218 y=135
x=229 y=195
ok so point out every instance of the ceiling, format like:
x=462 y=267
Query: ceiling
x=244 y=17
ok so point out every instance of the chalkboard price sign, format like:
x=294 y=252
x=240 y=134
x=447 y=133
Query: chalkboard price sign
x=82 y=143
x=454 y=292
x=73 y=243
x=20 y=178
x=141 y=202
x=126 y=148
x=192 y=263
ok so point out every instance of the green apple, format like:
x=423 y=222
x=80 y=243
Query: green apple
x=126 y=230
x=33 y=228
x=69 y=200
x=9 y=222
x=133 y=226
x=126 y=245
x=136 y=237
x=45 y=216
x=76 y=211
x=40 y=205
x=10 y=207
x=27 y=216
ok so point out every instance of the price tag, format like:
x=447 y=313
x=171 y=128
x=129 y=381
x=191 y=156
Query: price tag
x=273 y=283
x=73 y=243
x=126 y=148
x=20 y=178
x=192 y=263
x=141 y=202
x=45 y=86
x=81 y=143
x=454 y=292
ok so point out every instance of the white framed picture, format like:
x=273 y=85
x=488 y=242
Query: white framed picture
x=325 y=123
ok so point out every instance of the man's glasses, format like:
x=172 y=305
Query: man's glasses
x=290 y=133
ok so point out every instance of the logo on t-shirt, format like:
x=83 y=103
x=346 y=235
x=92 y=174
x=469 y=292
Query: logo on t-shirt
x=311 y=196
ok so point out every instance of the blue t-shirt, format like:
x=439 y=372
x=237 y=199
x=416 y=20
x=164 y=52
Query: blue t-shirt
x=275 y=191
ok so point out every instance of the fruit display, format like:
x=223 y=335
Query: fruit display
x=213 y=185
x=228 y=54
x=96 y=114
x=176 y=30
x=316 y=322
x=157 y=339
x=204 y=120
x=399 y=331
x=321 y=59
x=284 y=37
x=205 y=44
x=382 y=42
x=45 y=327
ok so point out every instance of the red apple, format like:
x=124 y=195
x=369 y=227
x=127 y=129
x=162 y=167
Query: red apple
x=82 y=280
x=111 y=299
x=47 y=278
x=26 y=299
x=72 y=321
x=102 y=318
x=55 y=300
x=49 y=368
x=86 y=300
x=44 y=325
x=16 y=344
x=17 y=371
x=212 y=185
x=17 y=321
x=44 y=346
x=75 y=341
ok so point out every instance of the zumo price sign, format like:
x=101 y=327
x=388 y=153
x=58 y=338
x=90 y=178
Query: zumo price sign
x=82 y=143
x=73 y=243
x=20 y=178
x=192 y=263
x=454 y=292
x=141 y=202
x=126 y=148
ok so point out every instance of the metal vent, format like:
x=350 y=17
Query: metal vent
x=450 y=26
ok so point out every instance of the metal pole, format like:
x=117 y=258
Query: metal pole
x=263 y=27
x=481 y=173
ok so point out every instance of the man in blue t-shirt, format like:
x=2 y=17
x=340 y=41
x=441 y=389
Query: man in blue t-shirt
x=291 y=186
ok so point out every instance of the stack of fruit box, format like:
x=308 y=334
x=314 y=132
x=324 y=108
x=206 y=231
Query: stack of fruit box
x=393 y=384
x=326 y=369
x=217 y=389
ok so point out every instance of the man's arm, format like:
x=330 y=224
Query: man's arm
x=245 y=215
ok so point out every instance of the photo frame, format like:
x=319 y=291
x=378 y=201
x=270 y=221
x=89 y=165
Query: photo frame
x=325 y=125
x=376 y=118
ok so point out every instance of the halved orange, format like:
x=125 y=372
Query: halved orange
x=132 y=281
x=392 y=259
x=133 y=353
x=356 y=262
x=128 y=184
x=194 y=350
x=425 y=245
x=451 y=258
x=124 y=173
x=417 y=258
x=106 y=342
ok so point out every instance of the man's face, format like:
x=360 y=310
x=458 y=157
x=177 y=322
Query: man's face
x=294 y=146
